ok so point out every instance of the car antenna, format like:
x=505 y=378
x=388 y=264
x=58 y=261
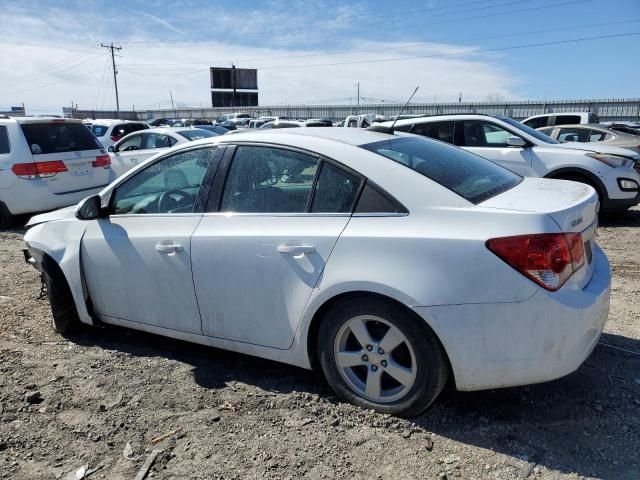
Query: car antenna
x=389 y=130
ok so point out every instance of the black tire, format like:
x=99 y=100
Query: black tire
x=6 y=219
x=430 y=358
x=65 y=318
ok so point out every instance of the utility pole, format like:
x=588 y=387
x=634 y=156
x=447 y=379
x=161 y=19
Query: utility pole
x=172 y=107
x=115 y=72
x=233 y=70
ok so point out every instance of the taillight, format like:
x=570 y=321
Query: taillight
x=115 y=138
x=38 y=169
x=102 y=161
x=549 y=259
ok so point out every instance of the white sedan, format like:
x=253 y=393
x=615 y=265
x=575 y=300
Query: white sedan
x=139 y=146
x=393 y=263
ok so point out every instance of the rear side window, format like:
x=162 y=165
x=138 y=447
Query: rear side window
x=4 y=140
x=44 y=138
x=470 y=176
x=573 y=134
x=567 y=119
x=99 y=130
x=442 y=131
x=336 y=190
x=538 y=122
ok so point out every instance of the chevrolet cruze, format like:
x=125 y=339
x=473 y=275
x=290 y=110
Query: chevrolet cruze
x=393 y=263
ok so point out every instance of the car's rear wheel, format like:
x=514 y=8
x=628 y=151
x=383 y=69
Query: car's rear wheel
x=377 y=355
x=65 y=318
x=6 y=219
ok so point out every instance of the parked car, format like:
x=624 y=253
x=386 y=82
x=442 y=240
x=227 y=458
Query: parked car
x=612 y=172
x=110 y=131
x=191 y=122
x=215 y=129
x=139 y=146
x=47 y=163
x=232 y=116
x=162 y=122
x=282 y=124
x=390 y=262
x=593 y=133
x=258 y=122
x=318 y=122
x=363 y=121
x=631 y=128
x=564 y=118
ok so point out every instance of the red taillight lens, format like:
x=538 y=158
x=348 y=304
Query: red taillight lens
x=115 y=138
x=102 y=161
x=39 y=169
x=548 y=259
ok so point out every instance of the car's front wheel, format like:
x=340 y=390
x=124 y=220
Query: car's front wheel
x=377 y=355
x=63 y=308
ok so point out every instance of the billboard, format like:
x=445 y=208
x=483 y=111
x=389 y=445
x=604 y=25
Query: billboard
x=231 y=99
x=230 y=78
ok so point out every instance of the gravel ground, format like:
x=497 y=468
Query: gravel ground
x=111 y=399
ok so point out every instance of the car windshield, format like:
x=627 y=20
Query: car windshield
x=60 y=137
x=474 y=178
x=196 y=134
x=530 y=131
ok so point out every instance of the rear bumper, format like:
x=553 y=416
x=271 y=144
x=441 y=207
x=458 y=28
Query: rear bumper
x=37 y=197
x=543 y=338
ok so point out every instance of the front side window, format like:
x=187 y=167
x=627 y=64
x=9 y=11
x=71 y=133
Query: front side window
x=269 y=180
x=4 y=140
x=170 y=185
x=483 y=134
x=546 y=131
x=573 y=134
x=132 y=143
x=537 y=122
x=472 y=177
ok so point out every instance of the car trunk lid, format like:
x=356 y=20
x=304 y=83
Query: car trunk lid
x=572 y=205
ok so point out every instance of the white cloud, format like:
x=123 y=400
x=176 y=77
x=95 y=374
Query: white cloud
x=39 y=70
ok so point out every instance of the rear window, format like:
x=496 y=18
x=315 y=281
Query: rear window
x=196 y=134
x=46 y=138
x=4 y=140
x=472 y=177
x=99 y=130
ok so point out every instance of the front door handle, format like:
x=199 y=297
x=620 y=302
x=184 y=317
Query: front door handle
x=168 y=248
x=296 y=249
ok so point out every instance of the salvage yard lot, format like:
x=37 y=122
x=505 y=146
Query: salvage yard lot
x=215 y=414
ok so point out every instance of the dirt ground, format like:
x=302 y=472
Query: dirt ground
x=107 y=398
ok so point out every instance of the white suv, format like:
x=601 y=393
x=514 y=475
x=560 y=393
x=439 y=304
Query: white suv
x=48 y=163
x=111 y=131
x=613 y=172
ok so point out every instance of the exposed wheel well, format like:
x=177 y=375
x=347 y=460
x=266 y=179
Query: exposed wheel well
x=314 y=327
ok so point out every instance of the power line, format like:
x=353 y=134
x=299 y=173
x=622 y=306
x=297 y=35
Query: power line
x=56 y=64
x=451 y=54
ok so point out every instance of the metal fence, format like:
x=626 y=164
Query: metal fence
x=606 y=109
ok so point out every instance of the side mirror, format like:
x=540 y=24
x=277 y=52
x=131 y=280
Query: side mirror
x=515 y=141
x=90 y=208
x=111 y=149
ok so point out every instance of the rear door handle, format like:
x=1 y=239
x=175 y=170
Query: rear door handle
x=296 y=249
x=168 y=248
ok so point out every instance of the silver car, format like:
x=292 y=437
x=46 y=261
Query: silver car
x=592 y=133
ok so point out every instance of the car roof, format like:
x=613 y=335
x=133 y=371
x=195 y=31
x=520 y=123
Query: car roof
x=446 y=116
x=46 y=120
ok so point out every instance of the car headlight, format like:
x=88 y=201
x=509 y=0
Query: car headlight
x=615 y=161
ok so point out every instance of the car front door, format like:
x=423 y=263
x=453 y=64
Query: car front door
x=260 y=251
x=489 y=140
x=126 y=153
x=137 y=260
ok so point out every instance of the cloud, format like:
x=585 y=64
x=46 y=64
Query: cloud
x=54 y=57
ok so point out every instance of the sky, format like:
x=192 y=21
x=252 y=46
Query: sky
x=317 y=51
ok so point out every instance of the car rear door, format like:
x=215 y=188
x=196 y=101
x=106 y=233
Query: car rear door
x=137 y=261
x=69 y=157
x=259 y=252
x=489 y=140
